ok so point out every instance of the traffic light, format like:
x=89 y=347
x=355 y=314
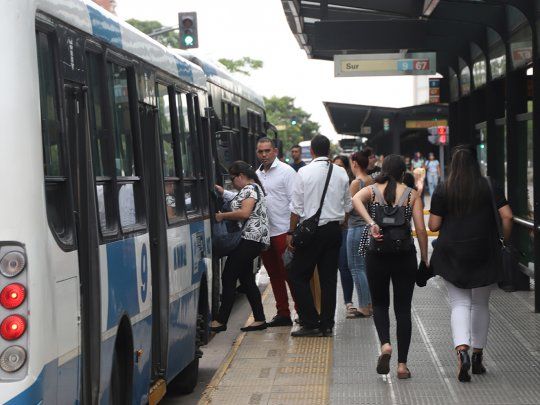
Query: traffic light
x=294 y=121
x=187 y=24
x=442 y=131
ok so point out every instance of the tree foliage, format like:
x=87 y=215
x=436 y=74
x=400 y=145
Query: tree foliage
x=168 y=39
x=243 y=65
x=293 y=123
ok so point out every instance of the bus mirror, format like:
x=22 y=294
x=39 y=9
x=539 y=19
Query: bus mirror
x=223 y=138
x=270 y=127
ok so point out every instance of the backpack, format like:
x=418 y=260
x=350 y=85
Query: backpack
x=395 y=227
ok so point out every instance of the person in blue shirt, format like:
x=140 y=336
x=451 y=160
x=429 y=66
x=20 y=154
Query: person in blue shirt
x=296 y=154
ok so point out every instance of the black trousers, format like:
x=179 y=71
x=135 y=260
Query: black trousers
x=239 y=266
x=401 y=269
x=323 y=253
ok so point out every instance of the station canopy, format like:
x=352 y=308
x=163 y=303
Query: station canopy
x=461 y=32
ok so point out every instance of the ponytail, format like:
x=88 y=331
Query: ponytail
x=392 y=171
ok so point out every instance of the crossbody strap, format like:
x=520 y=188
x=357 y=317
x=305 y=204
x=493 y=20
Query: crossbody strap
x=331 y=166
x=495 y=211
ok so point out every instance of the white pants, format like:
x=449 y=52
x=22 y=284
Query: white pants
x=470 y=315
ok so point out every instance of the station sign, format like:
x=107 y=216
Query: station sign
x=385 y=64
x=424 y=124
x=434 y=91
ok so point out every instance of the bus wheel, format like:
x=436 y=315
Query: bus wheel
x=122 y=364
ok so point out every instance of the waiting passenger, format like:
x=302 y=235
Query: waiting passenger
x=356 y=228
x=391 y=255
x=249 y=205
x=462 y=210
x=296 y=154
x=343 y=265
x=278 y=181
x=323 y=249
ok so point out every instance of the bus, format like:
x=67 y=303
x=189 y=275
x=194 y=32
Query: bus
x=106 y=267
x=305 y=147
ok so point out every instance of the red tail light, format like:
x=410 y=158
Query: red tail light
x=12 y=296
x=13 y=327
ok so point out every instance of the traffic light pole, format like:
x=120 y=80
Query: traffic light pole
x=441 y=160
x=161 y=31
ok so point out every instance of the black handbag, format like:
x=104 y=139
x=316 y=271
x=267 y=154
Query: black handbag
x=226 y=235
x=506 y=255
x=305 y=231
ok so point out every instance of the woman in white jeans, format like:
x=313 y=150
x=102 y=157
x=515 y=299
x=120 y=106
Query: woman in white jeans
x=462 y=211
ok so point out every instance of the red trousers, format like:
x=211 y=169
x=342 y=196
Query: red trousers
x=273 y=262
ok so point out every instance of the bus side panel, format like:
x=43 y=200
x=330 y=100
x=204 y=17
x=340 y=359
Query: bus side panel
x=182 y=302
x=126 y=291
x=188 y=257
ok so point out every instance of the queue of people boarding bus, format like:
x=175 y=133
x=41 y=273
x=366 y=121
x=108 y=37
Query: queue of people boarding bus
x=349 y=216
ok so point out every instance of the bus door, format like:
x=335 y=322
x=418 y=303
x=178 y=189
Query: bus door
x=157 y=225
x=88 y=336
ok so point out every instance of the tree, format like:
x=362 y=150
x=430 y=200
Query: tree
x=242 y=65
x=293 y=123
x=168 y=39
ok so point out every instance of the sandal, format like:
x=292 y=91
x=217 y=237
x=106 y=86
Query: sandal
x=352 y=312
x=383 y=363
x=403 y=375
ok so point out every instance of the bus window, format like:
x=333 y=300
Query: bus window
x=171 y=171
x=101 y=144
x=188 y=148
x=56 y=179
x=127 y=179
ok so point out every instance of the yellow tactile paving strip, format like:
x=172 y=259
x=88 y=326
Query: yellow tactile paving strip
x=272 y=368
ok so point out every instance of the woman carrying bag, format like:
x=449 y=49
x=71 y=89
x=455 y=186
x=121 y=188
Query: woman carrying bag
x=249 y=208
x=391 y=255
x=466 y=253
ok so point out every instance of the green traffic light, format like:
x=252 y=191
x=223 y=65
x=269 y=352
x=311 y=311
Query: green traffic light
x=188 y=40
x=293 y=122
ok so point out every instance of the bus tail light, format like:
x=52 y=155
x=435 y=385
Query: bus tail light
x=12 y=359
x=12 y=263
x=12 y=295
x=13 y=327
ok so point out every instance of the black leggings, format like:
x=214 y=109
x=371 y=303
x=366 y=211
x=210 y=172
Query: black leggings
x=401 y=269
x=239 y=266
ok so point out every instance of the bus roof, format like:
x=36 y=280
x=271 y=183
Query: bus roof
x=91 y=18
x=220 y=76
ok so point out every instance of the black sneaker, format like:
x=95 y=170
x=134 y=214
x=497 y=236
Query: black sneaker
x=298 y=321
x=280 y=320
x=306 y=332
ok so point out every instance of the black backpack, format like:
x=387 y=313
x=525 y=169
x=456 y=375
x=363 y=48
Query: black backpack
x=394 y=225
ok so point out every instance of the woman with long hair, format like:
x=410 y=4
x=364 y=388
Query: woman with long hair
x=356 y=227
x=345 y=275
x=462 y=211
x=395 y=262
x=248 y=207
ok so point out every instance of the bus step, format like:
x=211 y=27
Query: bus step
x=157 y=392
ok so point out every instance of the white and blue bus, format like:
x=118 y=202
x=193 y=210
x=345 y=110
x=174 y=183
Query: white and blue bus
x=106 y=151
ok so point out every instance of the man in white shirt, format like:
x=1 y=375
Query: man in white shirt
x=278 y=180
x=323 y=251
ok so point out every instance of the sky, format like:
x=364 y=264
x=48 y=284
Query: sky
x=258 y=28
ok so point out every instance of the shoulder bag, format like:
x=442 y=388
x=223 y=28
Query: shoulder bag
x=226 y=234
x=506 y=255
x=305 y=231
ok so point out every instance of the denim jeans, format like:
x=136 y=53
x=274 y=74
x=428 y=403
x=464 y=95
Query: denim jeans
x=357 y=265
x=344 y=271
x=432 y=181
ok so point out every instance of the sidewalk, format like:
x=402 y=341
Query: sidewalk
x=270 y=367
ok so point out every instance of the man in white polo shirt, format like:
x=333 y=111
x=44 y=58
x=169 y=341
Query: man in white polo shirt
x=323 y=251
x=278 y=180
